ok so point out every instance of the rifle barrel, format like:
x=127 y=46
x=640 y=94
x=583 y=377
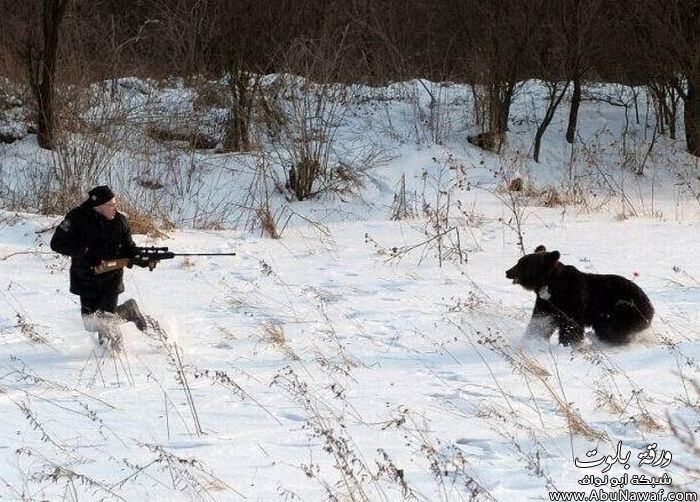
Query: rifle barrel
x=204 y=254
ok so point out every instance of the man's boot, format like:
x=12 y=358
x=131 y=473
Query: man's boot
x=129 y=311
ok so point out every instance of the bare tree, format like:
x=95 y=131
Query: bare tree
x=491 y=44
x=315 y=107
x=184 y=32
x=500 y=33
x=581 y=20
x=667 y=45
x=665 y=95
x=243 y=54
x=555 y=92
x=552 y=59
x=42 y=69
x=686 y=15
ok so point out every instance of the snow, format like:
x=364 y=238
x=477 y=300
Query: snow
x=345 y=359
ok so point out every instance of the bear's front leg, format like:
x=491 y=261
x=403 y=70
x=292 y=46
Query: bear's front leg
x=570 y=332
x=542 y=324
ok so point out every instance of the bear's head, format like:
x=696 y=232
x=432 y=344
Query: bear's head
x=532 y=270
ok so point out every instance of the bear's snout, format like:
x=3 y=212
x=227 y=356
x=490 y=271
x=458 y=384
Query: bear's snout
x=511 y=274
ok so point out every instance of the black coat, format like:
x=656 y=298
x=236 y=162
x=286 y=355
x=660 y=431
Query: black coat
x=88 y=237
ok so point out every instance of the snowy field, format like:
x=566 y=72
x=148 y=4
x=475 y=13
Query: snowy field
x=360 y=356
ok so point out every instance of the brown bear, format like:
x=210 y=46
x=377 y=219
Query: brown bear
x=571 y=300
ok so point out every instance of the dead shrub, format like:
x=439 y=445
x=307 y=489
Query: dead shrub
x=268 y=222
x=193 y=139
x=566 y=196
x=210 y=95
x=515 y=185
x=143 y=224
x=486 y=141
x=552 y=198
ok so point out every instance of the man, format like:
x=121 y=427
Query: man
x=90 y=234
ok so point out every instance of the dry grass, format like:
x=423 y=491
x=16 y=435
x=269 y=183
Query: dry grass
x=273 y=333
x=268 y=222
x=143 y=224
x=577 y=425
x=192 y=139
x=29 y=330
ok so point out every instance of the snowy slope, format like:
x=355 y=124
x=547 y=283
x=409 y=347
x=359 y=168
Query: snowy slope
x=343 y=361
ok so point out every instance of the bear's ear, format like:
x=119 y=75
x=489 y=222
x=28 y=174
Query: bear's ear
x=551 y=258
x=540 y=249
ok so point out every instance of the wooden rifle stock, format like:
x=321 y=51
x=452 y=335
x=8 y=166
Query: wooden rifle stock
x=109 y=265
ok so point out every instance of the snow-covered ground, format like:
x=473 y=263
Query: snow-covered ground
x=361 y=357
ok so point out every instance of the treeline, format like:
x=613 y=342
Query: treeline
x=495 y=44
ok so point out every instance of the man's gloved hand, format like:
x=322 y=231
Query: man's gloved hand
x=142 y=261
x=139 y=261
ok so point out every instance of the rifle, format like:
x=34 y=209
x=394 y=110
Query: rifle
x=147 y=255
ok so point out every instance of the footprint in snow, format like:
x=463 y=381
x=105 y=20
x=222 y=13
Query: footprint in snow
x=294 y=417
x=475 y=447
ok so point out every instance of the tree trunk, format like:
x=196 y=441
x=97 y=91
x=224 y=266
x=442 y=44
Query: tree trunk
x=52 y=13
x=672 y=113
x=552 y=106
x=658 y=93
x=573 y=110
x=237 y=137
x=500 y=99
x=692 y=117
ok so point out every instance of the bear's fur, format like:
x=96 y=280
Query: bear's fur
x=571 y=300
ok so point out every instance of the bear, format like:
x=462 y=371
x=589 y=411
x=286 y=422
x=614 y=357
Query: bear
x=571 y=300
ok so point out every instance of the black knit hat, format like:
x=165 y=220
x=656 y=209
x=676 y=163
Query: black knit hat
x=99 y=195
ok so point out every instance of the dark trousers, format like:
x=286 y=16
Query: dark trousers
x=104 y=302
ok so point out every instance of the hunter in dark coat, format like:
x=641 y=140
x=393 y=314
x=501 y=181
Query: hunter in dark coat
x=90 y=234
